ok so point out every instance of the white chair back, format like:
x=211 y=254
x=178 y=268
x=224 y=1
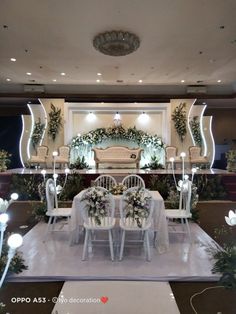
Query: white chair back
x=105 y=207
x=64 y=152
x=42 y=151
x=51 y=195
x=133 y=180
x=171 y=152
x=127 y=206
x=105 y=181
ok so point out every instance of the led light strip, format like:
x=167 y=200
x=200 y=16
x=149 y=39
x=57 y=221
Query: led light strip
x=189 y=128
x=213 y=142
x=20 y=142
x=202 y=132
x=31 y=131
x=46 y=122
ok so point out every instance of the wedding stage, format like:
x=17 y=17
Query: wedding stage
x=54 y=259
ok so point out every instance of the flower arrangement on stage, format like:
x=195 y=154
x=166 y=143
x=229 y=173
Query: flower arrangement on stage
x=55 y=122
x=37 y=132
x=118 y=189
x=117 y=132
x=4 y=160
x=138 y=206
x=231 y=160
x=195 y=128
x=96 y=202
x=153 y=164
x=80 y=163
x=180 y=120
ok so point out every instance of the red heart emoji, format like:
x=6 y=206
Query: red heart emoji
x=104 y=299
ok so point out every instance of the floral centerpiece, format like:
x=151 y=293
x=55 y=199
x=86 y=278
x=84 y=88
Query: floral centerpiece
x=118 y=189
x=138 y=206
x=96 y=203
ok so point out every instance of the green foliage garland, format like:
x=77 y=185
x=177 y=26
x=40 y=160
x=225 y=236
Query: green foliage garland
x=180 y=120
x=4 y=160
x=195 y=128
x=132 y=134
x=37 y=132
x=55 y=122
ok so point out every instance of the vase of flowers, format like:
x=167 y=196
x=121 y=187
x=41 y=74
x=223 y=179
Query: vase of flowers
x=137 y=206
x=96 y=204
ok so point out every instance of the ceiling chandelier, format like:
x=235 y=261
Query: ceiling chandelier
x=116 y=43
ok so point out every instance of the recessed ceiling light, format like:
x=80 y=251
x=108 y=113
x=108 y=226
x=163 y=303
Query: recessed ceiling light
x=182 y=81
x=54 y=80
x=140 y=81
x=99 y=74
x=28 y=73
x=97 y=81
x=13 y=59
x=8 y=79
x=63 y=73
x=218 y=81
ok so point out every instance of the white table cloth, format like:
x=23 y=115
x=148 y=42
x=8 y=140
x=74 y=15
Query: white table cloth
x=159 y=219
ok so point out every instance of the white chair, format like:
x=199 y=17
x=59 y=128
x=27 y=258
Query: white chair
x=171 y=152
x=40 y=157
x=195 y=157
x=91 y=225
x=133 y=180
x=105 y=181
x=53 y=212
x=63 y=157
x=129 y=223
x=184 y=211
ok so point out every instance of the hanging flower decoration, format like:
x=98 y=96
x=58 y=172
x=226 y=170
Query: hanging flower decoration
x=138 y=206
x=55 y=122
x=37 y=132
x=195 y=128
x=96 y=203
x=97 y=136
x=180 y=120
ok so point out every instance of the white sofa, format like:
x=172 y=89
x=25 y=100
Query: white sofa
x=117 y=155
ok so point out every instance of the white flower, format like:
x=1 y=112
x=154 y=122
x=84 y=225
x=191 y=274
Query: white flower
x=3 y=205
x=231 y=219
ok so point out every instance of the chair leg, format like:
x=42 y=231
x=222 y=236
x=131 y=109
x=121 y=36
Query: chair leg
x=147 y=246
x=85 y=249
x=182 y=223
x=188 y=230
x=111 y=245
x=49 y=225
x=154 y=238
x=122 y=244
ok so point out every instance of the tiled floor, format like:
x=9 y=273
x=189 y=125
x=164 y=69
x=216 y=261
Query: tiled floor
x=55 y=259
x=106 y=297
